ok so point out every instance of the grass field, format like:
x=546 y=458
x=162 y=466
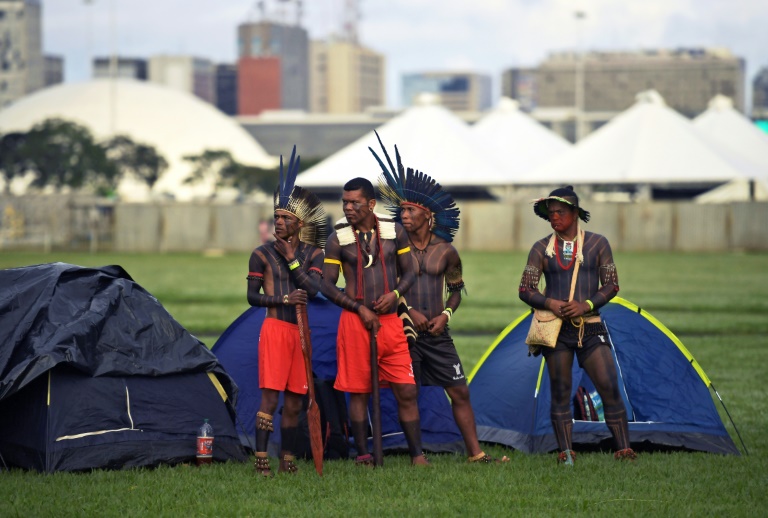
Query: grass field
x=717 y=304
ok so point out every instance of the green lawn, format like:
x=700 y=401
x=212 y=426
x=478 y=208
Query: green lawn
x=717 y=304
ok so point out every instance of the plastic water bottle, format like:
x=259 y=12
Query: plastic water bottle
x=205 y=444
x=598 y=402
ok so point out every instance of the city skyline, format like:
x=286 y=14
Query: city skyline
x=414 y=35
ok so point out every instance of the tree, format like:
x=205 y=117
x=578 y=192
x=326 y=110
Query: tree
x=139 y=160
x=62 y=153
x=229 y=172
x=12 y=161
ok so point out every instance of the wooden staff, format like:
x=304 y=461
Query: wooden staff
x=378 y=450
x=313 y=412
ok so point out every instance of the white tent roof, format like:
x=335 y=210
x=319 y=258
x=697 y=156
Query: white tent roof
x=738 y=137
x=648 y=143
x=519 y=142
x=430 y=138
x=175 y=123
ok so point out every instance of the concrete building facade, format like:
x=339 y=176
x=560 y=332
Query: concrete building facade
x=226 y=88
x=54 y=70
x=597 y=85
x=127 y=68
x=286 y=44
x=760 y=95
x=22 y=65
x=186 y=73
x=345 y=77
x=258 y=85
x=457 y=91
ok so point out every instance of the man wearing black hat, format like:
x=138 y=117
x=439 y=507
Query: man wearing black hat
x=557 y=256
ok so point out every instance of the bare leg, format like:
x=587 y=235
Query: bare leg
x=464 y=417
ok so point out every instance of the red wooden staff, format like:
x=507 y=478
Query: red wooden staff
x=378 y=450
x=313 y=412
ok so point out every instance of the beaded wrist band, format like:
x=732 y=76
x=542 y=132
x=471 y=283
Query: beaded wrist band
x=285 y=299
x=294 y=264
x=397 y=293
x=591 y=306
x=448 y=312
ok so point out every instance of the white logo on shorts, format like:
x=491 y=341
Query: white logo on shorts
x=602 y=339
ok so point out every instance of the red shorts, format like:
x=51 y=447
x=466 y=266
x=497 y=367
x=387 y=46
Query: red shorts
x=353 y=350
x=281 y=362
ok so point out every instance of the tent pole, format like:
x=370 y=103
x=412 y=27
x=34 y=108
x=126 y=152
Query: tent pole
x=729 y=417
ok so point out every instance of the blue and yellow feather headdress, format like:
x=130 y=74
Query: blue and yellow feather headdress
x=302 y=203
x=400 y=186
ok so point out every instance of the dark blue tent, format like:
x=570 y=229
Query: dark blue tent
x=94 y=373
x=237 y=350
x=665 y=390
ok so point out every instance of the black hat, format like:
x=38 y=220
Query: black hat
x=563 y=195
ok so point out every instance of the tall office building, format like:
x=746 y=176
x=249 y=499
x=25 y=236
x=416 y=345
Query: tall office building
x=760 y=95
x=22 y=66
x=272 y=69
x=187 y=73
x=226 y=88
x=54 y=70
x=345 y=77
x=457 y=91
x=686 y=78
x=126 y=68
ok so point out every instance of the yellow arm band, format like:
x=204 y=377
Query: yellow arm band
x=404 y=250
x=332 y=261
x=397 y=293
x=591 y=306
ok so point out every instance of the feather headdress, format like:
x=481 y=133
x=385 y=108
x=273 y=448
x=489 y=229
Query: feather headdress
x=400 y=186
x=302 y=203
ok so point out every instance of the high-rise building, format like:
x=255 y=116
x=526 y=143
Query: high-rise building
x=226 y=88
x=457 y=91
x=22 y=66
x=126 y=68
x=54 y=70
x=345 y=77
x=273 y=67
x=686 y=78
x=760 y=95
x=187 y=73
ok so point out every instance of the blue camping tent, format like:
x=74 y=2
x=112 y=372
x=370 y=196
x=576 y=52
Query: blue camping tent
x=665 y=390
x=237 y=350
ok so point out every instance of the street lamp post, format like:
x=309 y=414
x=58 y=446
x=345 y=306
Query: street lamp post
x=579 y=80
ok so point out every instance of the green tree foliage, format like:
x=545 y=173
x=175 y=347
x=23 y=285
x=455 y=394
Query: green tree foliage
x=62 y=153
x=228 y=172
x=11 y=161
x=141 y=161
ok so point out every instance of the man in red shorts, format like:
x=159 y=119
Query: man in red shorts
x=288 y=271
x=371 y=250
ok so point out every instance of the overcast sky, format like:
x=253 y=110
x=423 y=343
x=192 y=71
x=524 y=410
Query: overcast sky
x=485 y=36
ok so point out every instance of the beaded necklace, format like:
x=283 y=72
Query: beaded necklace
x=573 y=256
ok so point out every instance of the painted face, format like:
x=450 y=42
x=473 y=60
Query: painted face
x=286 y=224
x=356 y=206
x=561 y=215
x=414 y=218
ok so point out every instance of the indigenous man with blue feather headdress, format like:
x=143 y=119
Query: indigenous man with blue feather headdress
x=431 y=218
x=288 y=270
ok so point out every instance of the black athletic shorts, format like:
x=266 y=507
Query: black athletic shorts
x=595 y=336
x=436 y=362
